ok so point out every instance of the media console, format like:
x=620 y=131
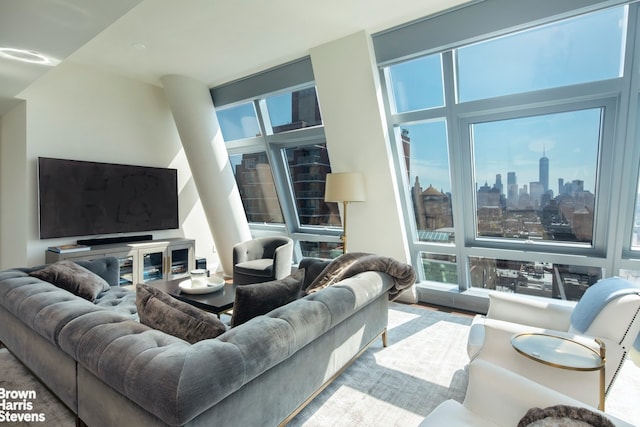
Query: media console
x=143 y=261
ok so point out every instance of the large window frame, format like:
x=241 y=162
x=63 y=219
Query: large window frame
x=618 y=98
x=275 y=144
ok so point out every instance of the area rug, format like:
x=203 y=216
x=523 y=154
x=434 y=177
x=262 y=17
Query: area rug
x=25 y=400
x=423 y=365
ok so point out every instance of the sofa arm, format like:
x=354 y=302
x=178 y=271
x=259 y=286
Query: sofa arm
x=538 y=312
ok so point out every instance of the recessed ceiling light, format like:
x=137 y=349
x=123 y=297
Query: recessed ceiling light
x=27 y=56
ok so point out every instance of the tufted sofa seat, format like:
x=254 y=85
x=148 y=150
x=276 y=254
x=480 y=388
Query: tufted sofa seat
x=112 y=370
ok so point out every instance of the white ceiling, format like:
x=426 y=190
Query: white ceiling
x=214 y=41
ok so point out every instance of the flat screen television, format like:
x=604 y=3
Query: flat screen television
x=80 y=198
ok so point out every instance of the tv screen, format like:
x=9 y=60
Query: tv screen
x=79 y=198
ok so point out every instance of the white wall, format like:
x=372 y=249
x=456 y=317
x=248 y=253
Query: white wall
x=76 y=112
x=13 y=187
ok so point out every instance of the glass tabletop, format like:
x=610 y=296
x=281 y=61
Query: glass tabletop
x=557 y=351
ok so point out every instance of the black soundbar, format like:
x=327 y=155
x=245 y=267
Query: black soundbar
x=109 y=240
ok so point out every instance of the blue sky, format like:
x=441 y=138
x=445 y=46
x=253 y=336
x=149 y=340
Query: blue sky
x=241 y=121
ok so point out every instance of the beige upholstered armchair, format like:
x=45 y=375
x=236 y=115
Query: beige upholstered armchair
x=609 y=310
x=262 y=259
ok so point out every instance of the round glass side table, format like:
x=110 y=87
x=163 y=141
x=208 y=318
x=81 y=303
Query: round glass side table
x=564 y=353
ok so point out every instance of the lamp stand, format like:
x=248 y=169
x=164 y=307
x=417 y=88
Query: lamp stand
x=344 y=227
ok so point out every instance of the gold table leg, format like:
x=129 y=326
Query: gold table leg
x=603 y=351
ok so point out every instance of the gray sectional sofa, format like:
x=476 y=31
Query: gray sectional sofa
x=110 y=369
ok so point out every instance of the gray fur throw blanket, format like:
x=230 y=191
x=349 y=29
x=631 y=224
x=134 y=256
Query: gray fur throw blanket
x=563 y=416
x=350 y=264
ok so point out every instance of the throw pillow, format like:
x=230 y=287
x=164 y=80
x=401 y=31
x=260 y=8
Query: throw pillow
x=74 y=278
x=260 y=298
x=563 y=416
x=161 y=311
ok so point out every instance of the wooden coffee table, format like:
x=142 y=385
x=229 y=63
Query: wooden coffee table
x=215 y=302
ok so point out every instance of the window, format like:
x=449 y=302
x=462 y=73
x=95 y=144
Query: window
x=635 y=235
x=425 y=149
x=308 y=167
x=505 y=144
x=294 y=110
x=543 y=279
x=439 y=268
x=554 y=55
x=327 y=250
x=256 y=186
x=417 y=84
x=238 y=122
x=550 y=164
x=281 y=172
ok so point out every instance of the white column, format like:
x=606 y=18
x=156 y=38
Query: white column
x=197 y=124
x=350 y=94
x=357 y=140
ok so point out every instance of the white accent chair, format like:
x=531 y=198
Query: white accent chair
x=615 y=320
x=497 y=397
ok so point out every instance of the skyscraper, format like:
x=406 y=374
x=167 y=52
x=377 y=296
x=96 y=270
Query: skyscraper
x=512 y=189
x=544 y=171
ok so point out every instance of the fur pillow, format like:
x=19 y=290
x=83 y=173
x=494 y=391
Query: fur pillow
x=260 y=298
x=159 y=310
x=74 y=278
x=563 y=416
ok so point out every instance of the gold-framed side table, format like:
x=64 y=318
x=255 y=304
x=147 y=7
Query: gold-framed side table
x=564 y=353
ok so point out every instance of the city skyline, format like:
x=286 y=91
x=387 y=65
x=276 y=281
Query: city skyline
x=569 y=140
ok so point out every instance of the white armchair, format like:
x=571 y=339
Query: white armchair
x=609 y=310
x=498 y=397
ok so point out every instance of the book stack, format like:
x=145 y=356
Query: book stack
x=68 y=248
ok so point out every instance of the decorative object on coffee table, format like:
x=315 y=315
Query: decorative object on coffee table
x=209 y=285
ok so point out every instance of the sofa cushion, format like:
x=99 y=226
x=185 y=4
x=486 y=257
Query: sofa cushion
x=74 y=278
x=258 y=267
x=312 y=267
x=260 y=298
x=161 y=311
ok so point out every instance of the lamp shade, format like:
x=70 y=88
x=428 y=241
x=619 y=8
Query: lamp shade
x=344 y=187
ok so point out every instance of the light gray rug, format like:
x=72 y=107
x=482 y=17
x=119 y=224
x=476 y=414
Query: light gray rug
x=423 y=365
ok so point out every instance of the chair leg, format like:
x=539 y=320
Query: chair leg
x=384 y=338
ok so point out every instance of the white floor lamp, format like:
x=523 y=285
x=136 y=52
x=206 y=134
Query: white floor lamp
x=344 y=187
